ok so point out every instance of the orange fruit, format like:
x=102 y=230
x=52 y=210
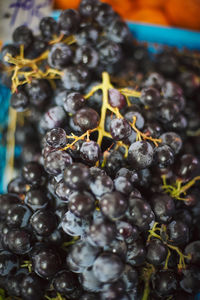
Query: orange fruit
x=184 y=13
x=65 y=4
x=119 y=8
x=151 y=3
x=148 y=15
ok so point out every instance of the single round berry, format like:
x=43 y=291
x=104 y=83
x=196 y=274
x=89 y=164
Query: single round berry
x=43 y=222
x=140 y=155
x=113 y=205
x=56 y=162
x=73 y=102
x=59 y=56
x=164 y=156
x=56 y=138
x=90 y=152
x=48 y=27
x=46 y=263
x=19 y=241
x=22 y=35
x=86 y=56
x=173 y=140
x=76 y=175
x=65 y=282
x=120 y=129
x=116 y=99
x=81 y=204
x=150 y=96
x=108 y=267
x=68 y=21
x=33 y=173
x=19 y=101
x=86 y=118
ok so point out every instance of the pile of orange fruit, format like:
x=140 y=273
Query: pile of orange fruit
x=181 y=13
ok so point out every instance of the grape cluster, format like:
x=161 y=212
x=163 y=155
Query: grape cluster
x=106 y=204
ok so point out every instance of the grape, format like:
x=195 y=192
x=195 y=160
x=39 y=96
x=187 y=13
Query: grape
x=164 y=282
x=156 y=252
x=48 y=27
x=150 y=96
x=75 y=77
x=101 y=184
x=18 y=216
x=90 y=152
x=73 y=225
x=163 y=207
x=72 y=102
x=101 y=234
x=87 y=56
x=113 y=205
x=68 y=21
x=120 y=129
x=83 y=254
x=22 y=35
x=107 y=267
x=65 y=282
x=173 y=140
x=32 y=287
x=59 y=56
x=76 y=176
x=19 y=241
x=140 y=154
x=81 y=204
x=43 y=222
x=19 y=101
x=46 y=262
x=116 y=99
x=86 y=118
x=56 y=138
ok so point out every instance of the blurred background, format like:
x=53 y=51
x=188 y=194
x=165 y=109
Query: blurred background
x=180 y=13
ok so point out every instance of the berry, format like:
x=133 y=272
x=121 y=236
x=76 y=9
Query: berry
x=140 y=154
x=86 y=118
x=113 y=205
x=56 y=138
x=59 y=56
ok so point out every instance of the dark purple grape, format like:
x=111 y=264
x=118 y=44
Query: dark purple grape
x=193 y=249
x=123 y=185
x=63 y=191
x=19 y=101
x=60 y=56
x=83 y=254
x=154 y=80
x=56 y=138
x=113 y=205
x=75 y=77
x=76 y=175
x=90 y=152
x=86 y=118
x=54 y=117
x=118 y=31
x=36 y=199
x=164 y=282
x=87 y=8
x=110 y=53
x=17 y=185
x=120 y=129
x=178 y=233
x=9 y=263
x=56 y=162
x=164 y=207
x=73 y=225
x=101 y=184
x=86 y=56
x=32 y=287
x=136 y=254
x=156 y=252
x=140 y=213
x=81 y=203
x=73 y=102
x=186 y=167
x=101 y=234
x=150 y=96
x=140 y=155
x=108 y=267
x=33 y=173
x=39 y=91
x=131 y=113
x=104 y=14
x=89 y=281
x=65 y=282
x=130 y=277
x=22 y=35
x=13 y=282
x=116 y=99
x=43 y=222
x=117 y=247
x=69 y=21
x=164 y=156
x=48 y=27
x=127 y=232
x=46 y=263
x=190 y=282
x=18 y=216
x=7 y=201
x=173 y=140
x=19 y=241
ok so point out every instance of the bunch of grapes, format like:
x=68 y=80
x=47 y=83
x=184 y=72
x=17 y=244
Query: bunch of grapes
x=106 y=205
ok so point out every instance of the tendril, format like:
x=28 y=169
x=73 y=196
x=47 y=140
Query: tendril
x=177 y=189
x=58 y=297
x=27 y=264
x=147 y=271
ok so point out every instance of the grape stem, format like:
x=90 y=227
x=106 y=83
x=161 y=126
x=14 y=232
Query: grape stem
x=175 y=190
x=27 y=264
x=146 y=275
